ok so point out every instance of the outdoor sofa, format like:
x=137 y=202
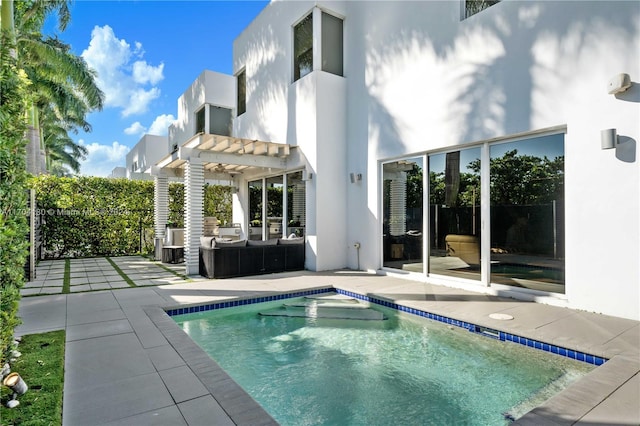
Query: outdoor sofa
x=226 y=259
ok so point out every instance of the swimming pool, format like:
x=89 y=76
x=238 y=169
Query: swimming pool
x=400 y=370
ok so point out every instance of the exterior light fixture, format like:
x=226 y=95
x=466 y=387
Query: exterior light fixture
x=608 y=138
x=619 y=84
x=306 y=175
x=17 y=385
x=355 y=177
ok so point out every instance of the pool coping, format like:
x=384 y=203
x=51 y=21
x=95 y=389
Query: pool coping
x=610 y=374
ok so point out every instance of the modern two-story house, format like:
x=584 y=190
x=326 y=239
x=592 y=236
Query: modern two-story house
x=493 y=150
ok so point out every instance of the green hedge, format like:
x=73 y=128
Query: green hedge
x=91 y=216
x=13 y=201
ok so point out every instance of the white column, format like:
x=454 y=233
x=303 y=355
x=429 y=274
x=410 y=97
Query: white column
x=398 y=213
x=160 y=211
x=193 y=213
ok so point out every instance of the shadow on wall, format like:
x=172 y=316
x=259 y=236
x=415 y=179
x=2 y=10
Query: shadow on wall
x=626 y=149
x=529 y=54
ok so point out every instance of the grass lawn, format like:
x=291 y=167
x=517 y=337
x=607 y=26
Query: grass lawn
x=42 y=368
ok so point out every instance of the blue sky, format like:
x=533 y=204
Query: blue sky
x=146 y=54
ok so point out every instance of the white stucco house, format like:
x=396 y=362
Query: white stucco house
x=409 y=138
x=119 y=172
x=144 y=154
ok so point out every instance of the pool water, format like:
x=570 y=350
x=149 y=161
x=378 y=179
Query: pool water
x=402 y=370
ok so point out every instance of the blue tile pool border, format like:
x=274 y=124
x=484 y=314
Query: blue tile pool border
x=250 y=301
x=474 y=328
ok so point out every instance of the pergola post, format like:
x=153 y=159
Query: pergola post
x=194 y=213
x=160 y=212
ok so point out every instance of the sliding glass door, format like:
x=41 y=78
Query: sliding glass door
x=454 y=213
x=403 y=214
x=523 y=234
x=527 y=213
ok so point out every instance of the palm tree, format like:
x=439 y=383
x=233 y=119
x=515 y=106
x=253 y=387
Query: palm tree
x=63 y=154
x=62 y=83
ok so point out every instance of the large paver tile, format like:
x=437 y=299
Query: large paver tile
x=114 y=400
x=104 y=359
x=164 y=357
x=622 y=408
x=80 y=288
x=91 y=302
x=98 y=329
x=42 y=313
x=51 y=290
x=183 y=384
x=204 y=411
x=168 y=416
x=86 y=317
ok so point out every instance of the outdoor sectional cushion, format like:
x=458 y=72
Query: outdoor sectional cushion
x=229 y=244
x=207 y=242
x=271 y=242
x=283 y=241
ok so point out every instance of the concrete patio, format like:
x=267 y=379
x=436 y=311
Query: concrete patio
x=128 y=363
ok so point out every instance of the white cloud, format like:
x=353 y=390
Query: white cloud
x=125 y=83
x=160 y=125
x=101 y=159
x=135 y=129
x=144 y=73
x=139 y=99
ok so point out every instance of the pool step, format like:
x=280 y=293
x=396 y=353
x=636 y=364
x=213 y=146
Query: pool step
x=334 y=308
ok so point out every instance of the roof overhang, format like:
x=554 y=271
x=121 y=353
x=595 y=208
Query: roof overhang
x=226 y=155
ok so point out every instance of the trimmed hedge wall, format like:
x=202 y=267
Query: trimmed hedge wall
x=13 y=200
x=92 y=216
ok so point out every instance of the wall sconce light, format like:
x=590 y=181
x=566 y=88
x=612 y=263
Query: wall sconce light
x=608 y=138
x=355 y=177
x=17 y=385
x=619 y=84
x=306 y=175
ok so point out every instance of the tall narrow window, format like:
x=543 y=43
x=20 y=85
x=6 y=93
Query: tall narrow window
x=303 y=48
x=255 y=209
x=200 y=121
x=296 y=195
x=527 y=213
x=332 y=50
x=274 y=206
x=403 y=214
x=242 y=92
x=454 y=192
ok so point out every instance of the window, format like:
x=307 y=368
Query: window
x=241 y=85
x=471 y=7
x=524 y=244
x=219 y=121
x=332 y=49
x=267 y=196
x=331 y=31
x=296 y=212
x=303 y=48
x=527 y=213
x=200 y=121
x=255 y=209
x=454 y=215
x=403 y=214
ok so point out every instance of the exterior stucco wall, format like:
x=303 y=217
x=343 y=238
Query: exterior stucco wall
x=147 y=152
x=418 y=80
x=210 y=87
x=422 y=80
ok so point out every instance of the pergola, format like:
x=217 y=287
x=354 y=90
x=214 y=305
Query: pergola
x=207 y=156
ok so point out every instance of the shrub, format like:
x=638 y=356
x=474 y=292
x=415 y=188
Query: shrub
x=91 y=216
x=13 y=200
